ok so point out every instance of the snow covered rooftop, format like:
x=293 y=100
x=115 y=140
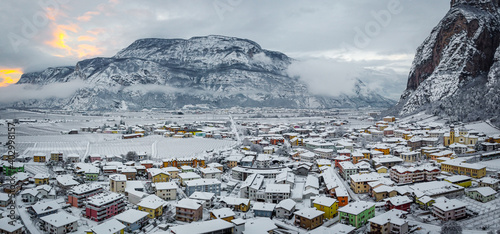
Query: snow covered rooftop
x=59 y=219
x=110 y=226
x=131 y=216
x=85 y=188
x=324 y=201
x=189 y=204
x=202 y=227
x=202 y=195
x=458 y=178
x=356 y=208
x=392 y=216
x=399 y=200
x=201 y=182
x=165 y=185
x=264 y=206
x=102 y=199
x=278 y=188
x=152 y=202
x=7 y=225
x=484 y=191
x=449 y=204
x=309 y=213
x=287 y=204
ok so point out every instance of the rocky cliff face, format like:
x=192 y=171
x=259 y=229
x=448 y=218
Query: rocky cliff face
x=459 y=56
x=216 y=71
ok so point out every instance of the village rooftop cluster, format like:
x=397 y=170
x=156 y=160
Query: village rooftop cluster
x=322 y=175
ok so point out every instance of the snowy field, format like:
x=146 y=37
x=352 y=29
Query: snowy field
x=493 y=164
x=483 y=127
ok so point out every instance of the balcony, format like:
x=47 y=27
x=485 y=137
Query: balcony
x=185 y=212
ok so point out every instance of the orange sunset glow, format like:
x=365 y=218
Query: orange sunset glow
x=9 y=76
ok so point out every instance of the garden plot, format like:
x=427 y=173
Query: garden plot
x=488 y=213
x=483 y=127
x=35 y=168
x=65 y=147
x=184 y=147
x=119 y=147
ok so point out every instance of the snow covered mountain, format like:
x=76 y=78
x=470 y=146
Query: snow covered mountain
x=217 y=71
x=456 y=70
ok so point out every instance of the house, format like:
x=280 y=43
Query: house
x=211 y=173
x=188 y=176
x=359 y=182
x=111 y=226
x=173 y=171
x=460 y=180
x=206 y=198
x=357 y=213
x=117 y=183
x=342 y=196
x=346 y=169
x=188 y=210
x=133 y=219
x=434 y=189
x=9 y=227
x=387 y=161
x=260 y=225
x=204 y=227
x=393 y=221
x=225 y=214
x=56 y=156
x=73 y=158
x=326 y=204
x=39 y=157
x=79 y=194
x=4 y=199
x=425 y=202
x=233 y=160
x=103 y=206
x=356 y=157
x=406 y=175
x=66 y=181
x=44 y=208
x=449 y=209
x=383 y=191
x=262 y=209
x=95 y=157
x=250 y=188
x=28 y=196
x=153 y=205
x=456 y=166
x=203 y=185
x=187 y=168
x=400 y=203
x=341 y=158
x=488 y=182
x=216 y=165
x=238 y=204
x=59 y=223
x=10 y=170
x=277 y=192
x=166 y=190
x=309 y=218
x=285 y=177
x=41 y=178
x=285 y=208
x=157 y=175
x=129 y=172
x=482 y=194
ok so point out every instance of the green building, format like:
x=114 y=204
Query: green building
x=357 y=213
x=9 y=171
x=482 y=194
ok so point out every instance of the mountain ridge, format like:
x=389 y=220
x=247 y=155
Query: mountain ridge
x=215 y=70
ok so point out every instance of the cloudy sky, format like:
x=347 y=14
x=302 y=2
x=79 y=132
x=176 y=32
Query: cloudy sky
x=371 y=40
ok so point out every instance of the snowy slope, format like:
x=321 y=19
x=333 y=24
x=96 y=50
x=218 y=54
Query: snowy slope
x=455 y=70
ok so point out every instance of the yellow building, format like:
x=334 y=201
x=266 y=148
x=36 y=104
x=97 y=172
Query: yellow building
x=384 y=149
x=41 y=178
x=39 y=158
x=460 y=180
x=463 y=137
x=225 y=214
x=382 y=169
x=153 y=205
x=327 y=205
x=441 y=154
x=425 y=202
x=160 y=177
x=117 y=183
x=56 y=156
x=455 y=166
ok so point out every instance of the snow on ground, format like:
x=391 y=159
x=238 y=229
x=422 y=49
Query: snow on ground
x=492 y=164
x=483 y=127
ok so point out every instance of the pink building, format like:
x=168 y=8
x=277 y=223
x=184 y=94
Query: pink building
x=104 y=206
x=449 y=209
x=95 y=157
x=80 y=193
